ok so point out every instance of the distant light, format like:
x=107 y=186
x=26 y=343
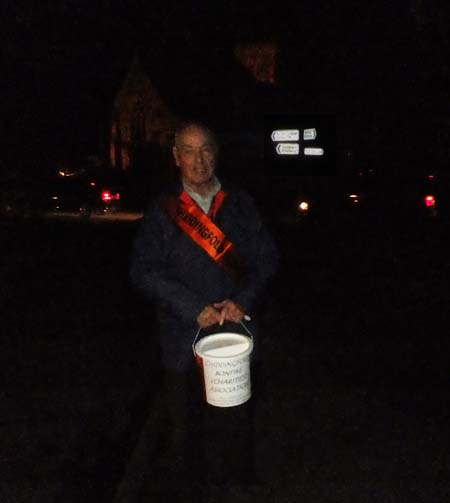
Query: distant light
x=55 y=197
x=430 y=201
x=92 y=184
x=310 y=134
x=117 y=197
x=303 y=206
x=288 y=149
x=353 y=196
x=285 y=135
x=66 y=172
x=106 y=196
x=431 y=177
x=314 y=151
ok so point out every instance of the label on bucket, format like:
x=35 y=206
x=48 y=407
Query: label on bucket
x=227 y=382
x=225 y=362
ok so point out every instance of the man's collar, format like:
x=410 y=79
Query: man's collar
x=216 y=186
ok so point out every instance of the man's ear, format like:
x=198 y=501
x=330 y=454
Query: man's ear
x=175 y=156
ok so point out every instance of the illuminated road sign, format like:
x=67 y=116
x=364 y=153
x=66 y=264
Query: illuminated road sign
x=310 y=134
x=288 y=149
x=313 y=151
x=299 y=144
x=285 y=135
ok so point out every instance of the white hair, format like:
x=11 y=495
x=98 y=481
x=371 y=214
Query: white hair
x=194 y=126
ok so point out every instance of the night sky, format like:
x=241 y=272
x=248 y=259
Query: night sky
x=382 y=69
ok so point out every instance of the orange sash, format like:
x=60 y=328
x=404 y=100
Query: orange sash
x=202 y=230
x=198 y=226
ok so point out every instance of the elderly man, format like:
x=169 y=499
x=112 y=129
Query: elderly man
x=204 y=256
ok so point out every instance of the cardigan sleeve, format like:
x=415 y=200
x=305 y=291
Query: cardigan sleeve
x=148 y=268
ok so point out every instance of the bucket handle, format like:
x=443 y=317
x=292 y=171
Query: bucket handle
x=246 y=318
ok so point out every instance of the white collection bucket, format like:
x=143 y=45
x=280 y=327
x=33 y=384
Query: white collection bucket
x=224 y=361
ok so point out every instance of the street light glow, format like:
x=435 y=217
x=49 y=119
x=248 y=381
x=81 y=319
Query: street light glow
x=303 y=206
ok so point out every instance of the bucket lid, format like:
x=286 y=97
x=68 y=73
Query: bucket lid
x=223 y=345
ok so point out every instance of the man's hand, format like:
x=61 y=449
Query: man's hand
x=209 y=316
x=229 y=311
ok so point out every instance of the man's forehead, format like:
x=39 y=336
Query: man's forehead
x=195 y=137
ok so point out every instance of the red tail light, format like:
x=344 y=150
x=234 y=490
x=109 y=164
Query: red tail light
x=430 y=201
x=107 y=196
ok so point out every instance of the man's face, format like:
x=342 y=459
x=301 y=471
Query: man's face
x=195 y=155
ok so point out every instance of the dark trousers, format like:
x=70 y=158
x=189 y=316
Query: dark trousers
x=204 y=441
x=182 y=431
x=228 y=444
x=187 y=445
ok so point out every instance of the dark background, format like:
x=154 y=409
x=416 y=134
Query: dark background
x=381 y=69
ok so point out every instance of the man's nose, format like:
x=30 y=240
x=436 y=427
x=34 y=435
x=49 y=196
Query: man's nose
x=199 y=157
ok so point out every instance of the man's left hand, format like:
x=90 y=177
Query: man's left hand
x=229 y=311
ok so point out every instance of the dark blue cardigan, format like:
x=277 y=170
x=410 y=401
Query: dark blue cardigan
x=173 y=271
